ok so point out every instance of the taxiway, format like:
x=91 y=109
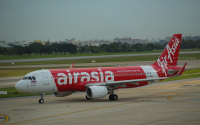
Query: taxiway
x=173 y=102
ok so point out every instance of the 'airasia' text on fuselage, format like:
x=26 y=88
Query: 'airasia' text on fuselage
x=64 y=79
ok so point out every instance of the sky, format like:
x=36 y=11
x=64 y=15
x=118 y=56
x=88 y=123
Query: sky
x=57 y=20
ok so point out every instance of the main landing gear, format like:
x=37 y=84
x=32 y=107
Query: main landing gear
x=113 y=97
x=41 y=100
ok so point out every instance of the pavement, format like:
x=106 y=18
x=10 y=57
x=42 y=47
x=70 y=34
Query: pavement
x=174 y=102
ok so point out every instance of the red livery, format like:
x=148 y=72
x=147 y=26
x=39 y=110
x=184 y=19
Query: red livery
x=101 y=81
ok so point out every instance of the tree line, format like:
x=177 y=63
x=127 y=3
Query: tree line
x=38 y=48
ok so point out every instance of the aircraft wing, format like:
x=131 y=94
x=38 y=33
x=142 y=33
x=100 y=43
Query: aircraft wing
x=133 y=81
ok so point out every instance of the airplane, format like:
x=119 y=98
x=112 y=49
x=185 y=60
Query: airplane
x=100 y=81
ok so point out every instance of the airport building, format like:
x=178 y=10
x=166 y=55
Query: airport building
x=130 y=41
x=194 y=38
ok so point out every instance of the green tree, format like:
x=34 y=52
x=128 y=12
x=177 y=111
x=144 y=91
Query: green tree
x=72 y=48
x=19 y=50
x=94 y=49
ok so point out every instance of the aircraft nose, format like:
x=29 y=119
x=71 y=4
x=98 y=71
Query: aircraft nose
x=18 y=86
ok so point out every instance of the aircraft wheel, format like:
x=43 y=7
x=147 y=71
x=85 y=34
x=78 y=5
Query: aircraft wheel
x=87 y=97
x=113 y=97
x=41 y=101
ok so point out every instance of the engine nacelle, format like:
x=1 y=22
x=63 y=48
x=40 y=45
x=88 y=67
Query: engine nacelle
x=96 y=91
x=62 y=94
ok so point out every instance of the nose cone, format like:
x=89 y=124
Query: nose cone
x=19 y=86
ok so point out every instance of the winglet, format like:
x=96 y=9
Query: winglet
x=72 y=66
x=182 y=69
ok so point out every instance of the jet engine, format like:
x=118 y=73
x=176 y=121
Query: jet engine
x=62 y=94
x=96 y=91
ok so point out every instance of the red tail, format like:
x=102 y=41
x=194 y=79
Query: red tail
x=72 y=66
x=169 y=56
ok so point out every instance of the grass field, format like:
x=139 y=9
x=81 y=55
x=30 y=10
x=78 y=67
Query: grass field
x=16 y=72
x=12 y=92
x=70 y=55
x=85 y=54
x=190 y=56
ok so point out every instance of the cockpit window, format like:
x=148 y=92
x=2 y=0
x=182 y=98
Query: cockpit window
x=25 y=78
x=33 y=78
x=29 y=78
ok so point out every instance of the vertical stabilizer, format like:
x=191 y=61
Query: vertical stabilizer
x=169 y=56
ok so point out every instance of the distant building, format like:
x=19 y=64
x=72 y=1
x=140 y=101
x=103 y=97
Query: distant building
x=141 y=41
x=72 y=41
x=93 y=43
x=38 y=41
x=124 y=40
x=168 y=38
x=131 y=41
x=5 y=46
x=3 y=41
x=162 y=41
x=66 y=41
x=17 y=44
x=194 y=38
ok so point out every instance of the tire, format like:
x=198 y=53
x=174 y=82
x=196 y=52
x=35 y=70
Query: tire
x=41 y=101
x=113 y=97
x=87 y=97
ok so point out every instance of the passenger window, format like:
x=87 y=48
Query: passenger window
x=33 y=78
x=29 y=78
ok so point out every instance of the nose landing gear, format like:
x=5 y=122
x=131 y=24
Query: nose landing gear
x=41 y=100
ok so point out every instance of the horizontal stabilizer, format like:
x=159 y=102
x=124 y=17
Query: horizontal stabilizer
x=182 y=69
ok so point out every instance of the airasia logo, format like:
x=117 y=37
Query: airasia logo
x=64 y=79
x=170 y=52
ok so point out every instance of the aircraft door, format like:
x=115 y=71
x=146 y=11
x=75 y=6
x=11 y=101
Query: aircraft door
x=45 y=78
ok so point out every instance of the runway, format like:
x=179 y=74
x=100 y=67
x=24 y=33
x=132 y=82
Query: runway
x=84 y=57
x=174 y=102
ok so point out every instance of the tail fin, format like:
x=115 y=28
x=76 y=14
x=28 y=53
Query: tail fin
x=169 y=56
x=72 y=66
